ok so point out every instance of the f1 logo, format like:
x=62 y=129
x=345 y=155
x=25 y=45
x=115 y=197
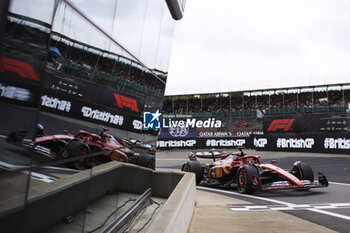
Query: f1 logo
x=151 y=120
x=23 y=69
x=123 y=101
x=284 y=124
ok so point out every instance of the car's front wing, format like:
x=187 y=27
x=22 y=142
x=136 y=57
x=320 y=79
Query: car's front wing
x=282 y=185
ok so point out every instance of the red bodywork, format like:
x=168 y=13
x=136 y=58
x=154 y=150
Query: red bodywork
x=53 y=146
x=228 y=163
x=223 y=170
x=139 y=146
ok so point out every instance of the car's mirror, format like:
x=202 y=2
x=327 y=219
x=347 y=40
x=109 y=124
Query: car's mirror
x=273 y=161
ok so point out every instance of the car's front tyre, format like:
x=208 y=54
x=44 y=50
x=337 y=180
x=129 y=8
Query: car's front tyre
x=244 y=179
x=77 y=148
x=303 y=171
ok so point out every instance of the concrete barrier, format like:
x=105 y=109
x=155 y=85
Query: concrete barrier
x=50 y=203
x=177 y=212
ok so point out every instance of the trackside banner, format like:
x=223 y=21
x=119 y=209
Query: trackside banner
x=65 y=105
x=335 y=143
x=188 y=126
x=316 y=143
x=307 y=123
x=27 y=83
x=94 y=93
x=286 y=142
x=197 y=143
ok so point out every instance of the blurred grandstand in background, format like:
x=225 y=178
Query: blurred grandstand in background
x=249 y=106
x=70 y=56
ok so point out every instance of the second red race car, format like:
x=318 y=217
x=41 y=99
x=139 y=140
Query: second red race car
x=249 y=174
x=61 y=146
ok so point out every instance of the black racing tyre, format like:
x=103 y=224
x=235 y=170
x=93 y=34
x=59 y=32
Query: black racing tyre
x=244 y=179
x=77 y=148
x=303 y=171
x=146 y=160
x=195 y=167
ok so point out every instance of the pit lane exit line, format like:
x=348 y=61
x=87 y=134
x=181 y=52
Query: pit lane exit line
x=339 y=183
x=291 y=205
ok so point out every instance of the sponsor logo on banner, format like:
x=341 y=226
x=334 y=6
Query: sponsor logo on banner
x=337 y=143
x=123 y=101
x=260 y=142
x=209 y=134
x=137 y=124
x=151 y=120
x=280 y=124
x=225 y=142
x=222 y=134
x=209 y=123
x=15 y=93
x=176 y=143
x=178 y=131
x=56 y=103
x=295 y=143
x=102 y=116
x=23 y=69
x=70 y=88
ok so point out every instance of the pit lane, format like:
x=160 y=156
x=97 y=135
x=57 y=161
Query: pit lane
x=328 y=207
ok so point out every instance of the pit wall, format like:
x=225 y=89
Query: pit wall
x=50 y=203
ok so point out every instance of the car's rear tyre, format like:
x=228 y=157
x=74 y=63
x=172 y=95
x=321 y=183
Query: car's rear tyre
x=195 y=167
x=303 y=171
x=77 y=148
x=146 y=160
x=244 y=179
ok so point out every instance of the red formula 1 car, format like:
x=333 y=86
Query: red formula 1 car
x=62 y=146
x=139 y=146
x=249 y=174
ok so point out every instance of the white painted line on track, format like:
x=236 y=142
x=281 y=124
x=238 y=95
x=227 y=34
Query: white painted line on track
x=245 y=195
x=61 y=169
x=239 y=209
x=324 y=207
x=289 y=205
x=41 y=177
x=302 y=206
x=259 y=206
x=34 y=175
x=252 y=207
x=331 y=214
x=11 y=167
x=341 y=204
x=282 y=208
x=337 y=183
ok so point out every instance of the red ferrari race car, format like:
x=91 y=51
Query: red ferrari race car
x=249 y=174
x=139 y=146
x=62 y=146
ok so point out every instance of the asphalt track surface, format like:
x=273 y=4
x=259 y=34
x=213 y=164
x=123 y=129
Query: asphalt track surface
x=328 y=207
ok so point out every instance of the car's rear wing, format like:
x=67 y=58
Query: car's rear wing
x=213 y=154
